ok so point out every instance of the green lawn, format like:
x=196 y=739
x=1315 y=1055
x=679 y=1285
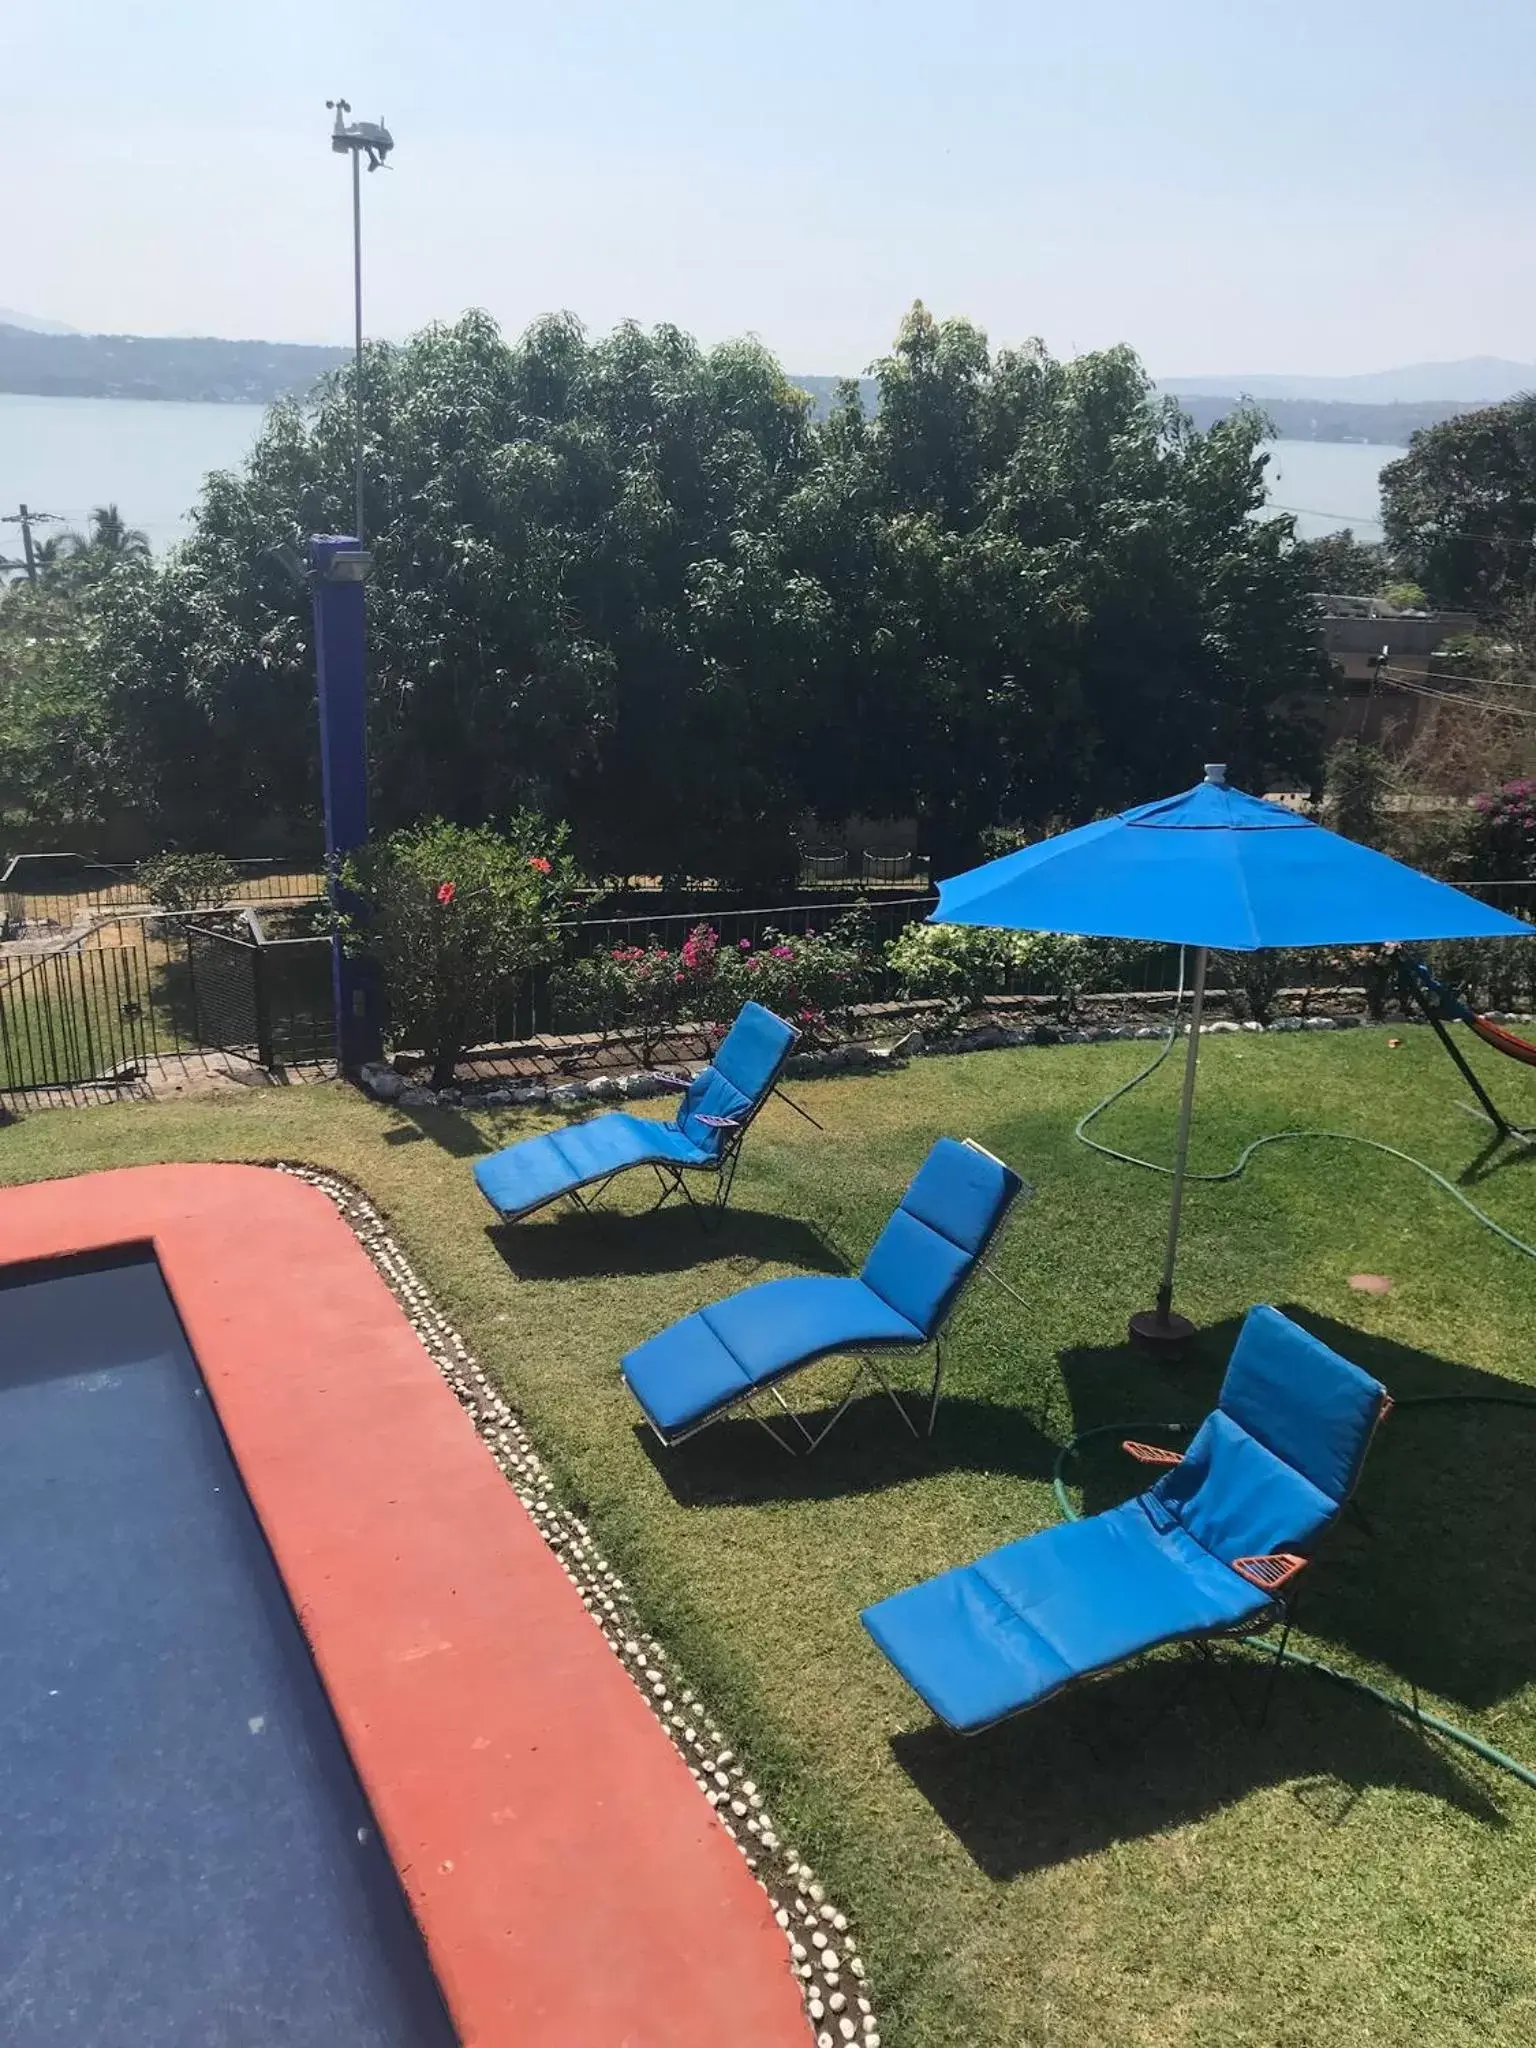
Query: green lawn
x=1131 y=1863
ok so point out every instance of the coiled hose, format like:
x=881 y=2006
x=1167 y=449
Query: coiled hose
x=1409 y=1710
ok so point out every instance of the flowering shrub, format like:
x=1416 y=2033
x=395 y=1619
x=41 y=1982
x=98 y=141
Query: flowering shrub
x=646 y=992
x=812 y=979
x=456 y=919
x=1504 y=836
x=643 y=992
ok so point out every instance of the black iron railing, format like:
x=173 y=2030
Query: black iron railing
x=59 y=895
x=95 y=1011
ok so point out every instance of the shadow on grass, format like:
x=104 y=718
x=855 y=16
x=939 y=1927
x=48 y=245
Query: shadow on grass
x=1495 y=1156
x=1159 y=1744
x=735 y=1463
x=1431 y=1581
x=444 y=1127
x=570 y=1244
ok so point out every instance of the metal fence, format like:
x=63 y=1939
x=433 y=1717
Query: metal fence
x=877 y=870
x=535 y=1011
x=98 y=1012
x=57 y=894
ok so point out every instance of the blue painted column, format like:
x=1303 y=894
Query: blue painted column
x=338 y=566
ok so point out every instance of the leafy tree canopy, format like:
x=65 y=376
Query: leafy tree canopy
x=1459 y=510
x=633 y=583
x=1338 y=565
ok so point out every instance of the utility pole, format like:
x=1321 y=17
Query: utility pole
x=373 y=140
x=26 y=521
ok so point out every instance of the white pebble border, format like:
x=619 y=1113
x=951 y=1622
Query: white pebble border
x=822 y=1952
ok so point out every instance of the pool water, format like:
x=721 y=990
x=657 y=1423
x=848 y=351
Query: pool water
x=186 y=1857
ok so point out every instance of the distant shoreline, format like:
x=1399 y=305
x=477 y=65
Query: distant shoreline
x=210 y=371
x=1294 y=421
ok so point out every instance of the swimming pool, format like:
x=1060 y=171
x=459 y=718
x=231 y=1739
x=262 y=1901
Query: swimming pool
x=187 y=1853
x=366 y=1587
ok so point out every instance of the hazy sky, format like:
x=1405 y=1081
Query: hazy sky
x=1240 y=185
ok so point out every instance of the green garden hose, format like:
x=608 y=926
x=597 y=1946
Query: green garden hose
x=1080 y=1130
x=1410 y=1710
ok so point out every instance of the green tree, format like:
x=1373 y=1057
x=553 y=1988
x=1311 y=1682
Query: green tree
x=1338 y=565
x=1048 y=593
x=1357 y=781
x=1459 y=509
x=631 y=583
x=57 y=767
x=188 y=881
x=72 y=562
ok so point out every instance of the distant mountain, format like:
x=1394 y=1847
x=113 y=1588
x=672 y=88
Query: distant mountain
x=50 y=365
x=32 y=325
x=1316 y=419
x=1479 y=380
x=823 y=390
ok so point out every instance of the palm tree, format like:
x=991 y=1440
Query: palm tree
x=112 y=538
x=70 y=561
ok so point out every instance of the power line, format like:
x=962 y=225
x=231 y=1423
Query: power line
x=1315 y=512
x=1478 y=682
x=1417 y=689
x=26 y=521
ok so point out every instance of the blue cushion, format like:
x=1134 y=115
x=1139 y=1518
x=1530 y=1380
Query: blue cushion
x=525 y=1176
x=709 y=1359
x=1312 y=1408
x=963 y=1191
x=709 y=1094
x=945 y=1220
x=683 y=1375
x=753 y=1050
x=785 y=1322
x=741 y=1074
x=1237 y=1499
x=917 y=1270
x=994 y=1637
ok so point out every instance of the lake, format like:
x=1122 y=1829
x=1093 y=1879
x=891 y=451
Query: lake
x=149 y=458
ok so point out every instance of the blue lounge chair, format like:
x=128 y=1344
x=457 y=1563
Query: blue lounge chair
x=720 y=1357
x=1207 y=1551
x=705 y=1135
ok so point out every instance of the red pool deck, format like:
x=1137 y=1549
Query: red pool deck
x=573 y=1885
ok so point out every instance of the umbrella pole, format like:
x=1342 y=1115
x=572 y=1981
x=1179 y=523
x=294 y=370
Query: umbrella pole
x=1160 y=1326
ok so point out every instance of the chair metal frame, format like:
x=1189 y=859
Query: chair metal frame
x=867 y=1355
x=671 y=1177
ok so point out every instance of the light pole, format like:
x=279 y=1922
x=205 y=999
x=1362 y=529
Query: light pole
x=338 y=570
x=373 y=140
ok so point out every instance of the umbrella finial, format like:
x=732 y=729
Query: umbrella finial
x=1216 y=771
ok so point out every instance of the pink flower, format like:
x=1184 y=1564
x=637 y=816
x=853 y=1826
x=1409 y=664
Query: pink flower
x=679 y=977
x=446 y=893
x=783 y=952
x=540 y=865
x=744 y=945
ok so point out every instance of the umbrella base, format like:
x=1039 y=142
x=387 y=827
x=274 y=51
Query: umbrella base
x=1161 y=1329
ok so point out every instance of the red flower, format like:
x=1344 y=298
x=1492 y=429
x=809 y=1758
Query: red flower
x=540 y=865
x=446 y=893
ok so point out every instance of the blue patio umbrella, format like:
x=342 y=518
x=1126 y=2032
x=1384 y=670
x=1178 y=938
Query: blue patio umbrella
x=1212 y=867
